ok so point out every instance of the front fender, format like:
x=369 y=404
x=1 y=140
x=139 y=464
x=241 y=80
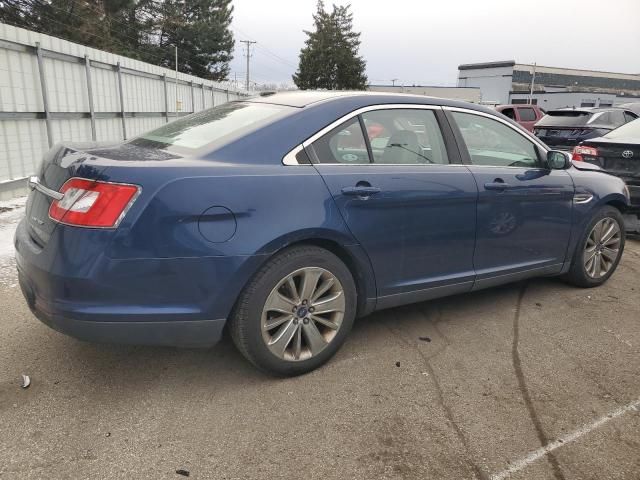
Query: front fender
x=603 y=189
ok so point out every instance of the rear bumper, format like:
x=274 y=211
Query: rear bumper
x=155 y=301
x=184 y=333
x=122 y=330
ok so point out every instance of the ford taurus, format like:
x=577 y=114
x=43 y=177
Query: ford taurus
x=284 y=217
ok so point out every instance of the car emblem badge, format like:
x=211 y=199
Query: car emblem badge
x=627 y=154
x=37 y=220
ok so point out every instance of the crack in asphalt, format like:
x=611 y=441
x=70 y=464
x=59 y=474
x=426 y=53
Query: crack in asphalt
x=479 y=473
x=524 y=389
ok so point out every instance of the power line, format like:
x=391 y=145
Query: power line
x=272 y=69
x=276 y=57
x=162 y=60
x=261 y=49
x=110 y=39
x=265 y=49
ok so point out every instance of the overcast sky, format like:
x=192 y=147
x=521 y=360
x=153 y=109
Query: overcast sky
x=424 y=41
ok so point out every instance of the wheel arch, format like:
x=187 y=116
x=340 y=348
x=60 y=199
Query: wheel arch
x=344 y=247
x=617 y=203
x=357 y=263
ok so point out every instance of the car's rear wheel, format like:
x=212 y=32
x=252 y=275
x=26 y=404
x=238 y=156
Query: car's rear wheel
x=296 y=312
x=599 y=250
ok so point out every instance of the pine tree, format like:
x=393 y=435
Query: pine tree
x=147 y=30
x=201 y=31
x=329 y=60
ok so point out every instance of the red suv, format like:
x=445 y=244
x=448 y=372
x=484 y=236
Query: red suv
x=525 y=115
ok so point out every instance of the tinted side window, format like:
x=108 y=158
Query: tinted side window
x=405 y=136
x=629 y=117
x=617 y=118
x=527 y=114
x=490 y=142
x=509 y=112
x=343 y=144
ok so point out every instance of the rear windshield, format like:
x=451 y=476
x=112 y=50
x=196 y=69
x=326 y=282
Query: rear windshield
x=567 y=118
x=218 y=124
x=629 y=130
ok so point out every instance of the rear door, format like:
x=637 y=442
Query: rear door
x=405 y=197
x=524 y=209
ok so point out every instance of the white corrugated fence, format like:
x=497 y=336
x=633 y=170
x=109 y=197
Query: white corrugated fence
x=53 y=90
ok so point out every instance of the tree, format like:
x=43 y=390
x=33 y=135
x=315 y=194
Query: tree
x=147 y=30
x=329 y=60
x=201 y=31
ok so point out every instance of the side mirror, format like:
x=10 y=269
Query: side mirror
x=557 y=160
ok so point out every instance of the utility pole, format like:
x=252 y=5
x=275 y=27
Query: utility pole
x=533 y=81
x=393 y=82
x=248 y=44
x=176 y=81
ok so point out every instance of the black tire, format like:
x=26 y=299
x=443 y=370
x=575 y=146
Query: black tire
x=577 y=274
x=245 y=324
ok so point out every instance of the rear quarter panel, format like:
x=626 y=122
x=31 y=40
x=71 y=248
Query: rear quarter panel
x=273 y=206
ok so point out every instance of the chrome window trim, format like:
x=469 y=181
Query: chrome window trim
x=534 y=140
x=290 y=158
x=378 y=165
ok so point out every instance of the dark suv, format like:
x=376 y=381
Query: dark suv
x=565 y=128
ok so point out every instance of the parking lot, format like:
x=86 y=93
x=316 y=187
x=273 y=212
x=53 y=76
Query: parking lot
x=536 y=380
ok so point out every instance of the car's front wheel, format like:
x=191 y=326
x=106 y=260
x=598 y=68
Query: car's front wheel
x=599 y=250
x=296 y=312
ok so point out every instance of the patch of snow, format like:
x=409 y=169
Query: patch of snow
x=11 y=212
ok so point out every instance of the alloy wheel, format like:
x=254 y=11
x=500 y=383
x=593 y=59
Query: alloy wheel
x=602 y=248
x=303 y=314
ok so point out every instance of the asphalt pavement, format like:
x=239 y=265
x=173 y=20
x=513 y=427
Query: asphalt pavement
x=536 y=380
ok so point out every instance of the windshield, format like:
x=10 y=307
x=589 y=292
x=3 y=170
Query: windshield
x=227 y=121
x=628 y=130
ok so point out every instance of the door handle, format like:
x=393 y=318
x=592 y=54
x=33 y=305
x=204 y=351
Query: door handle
x=498 y=184
x=360 y=191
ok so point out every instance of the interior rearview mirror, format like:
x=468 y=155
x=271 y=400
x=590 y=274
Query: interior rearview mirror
x=557 y=160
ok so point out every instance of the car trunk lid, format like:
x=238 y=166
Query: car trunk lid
x=61 y=163
x=619 y=158
x=561 y=137
x=74 y=160
x=566 y=128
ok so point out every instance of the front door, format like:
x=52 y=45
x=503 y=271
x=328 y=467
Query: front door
x=524 y=208
x=405 y=203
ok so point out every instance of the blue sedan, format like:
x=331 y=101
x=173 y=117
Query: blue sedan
x=284 y=217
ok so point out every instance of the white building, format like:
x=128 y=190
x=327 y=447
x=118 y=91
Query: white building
x=510 y=82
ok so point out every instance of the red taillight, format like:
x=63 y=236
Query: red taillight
x=90 y=203
x=580 y=150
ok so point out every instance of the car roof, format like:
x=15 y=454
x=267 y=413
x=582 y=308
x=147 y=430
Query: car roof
x=307 y=98
x=516 y=105
x=586 y=109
